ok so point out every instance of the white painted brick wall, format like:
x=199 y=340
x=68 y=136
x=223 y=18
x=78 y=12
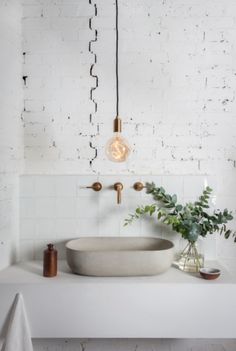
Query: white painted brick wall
x=177 y=74
x=11 y=138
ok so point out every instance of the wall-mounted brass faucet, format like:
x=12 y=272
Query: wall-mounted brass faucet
x=118 y=187
x=95 y=186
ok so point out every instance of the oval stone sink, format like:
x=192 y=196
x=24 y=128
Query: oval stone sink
x=116 y=256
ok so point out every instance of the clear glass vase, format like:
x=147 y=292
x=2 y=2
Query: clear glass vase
x=190 y=259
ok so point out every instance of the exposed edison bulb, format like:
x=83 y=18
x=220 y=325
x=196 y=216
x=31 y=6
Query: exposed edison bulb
x=117 y=148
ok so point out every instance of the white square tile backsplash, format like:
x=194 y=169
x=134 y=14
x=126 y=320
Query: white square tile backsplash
x=87 y=207
x=59 y=208
x=27 y=207
x=66 y=186
x=45 y=207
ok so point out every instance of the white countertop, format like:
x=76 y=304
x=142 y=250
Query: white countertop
x=31 y=272
x=174 y=304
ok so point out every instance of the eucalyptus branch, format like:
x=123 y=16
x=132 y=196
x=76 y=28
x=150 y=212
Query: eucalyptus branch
x=190 y=220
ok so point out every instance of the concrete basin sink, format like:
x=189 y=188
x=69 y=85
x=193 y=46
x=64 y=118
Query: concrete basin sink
x=116 y=256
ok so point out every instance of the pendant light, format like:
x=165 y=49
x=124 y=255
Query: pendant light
x=117 y=148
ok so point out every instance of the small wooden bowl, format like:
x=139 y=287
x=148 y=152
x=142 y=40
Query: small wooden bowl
x=210 y=273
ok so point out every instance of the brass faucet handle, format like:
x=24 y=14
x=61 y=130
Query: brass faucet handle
x=95 y=186
x=138 y=186
x=118 y=187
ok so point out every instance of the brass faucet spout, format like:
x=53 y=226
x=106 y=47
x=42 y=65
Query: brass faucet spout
x=118 y=187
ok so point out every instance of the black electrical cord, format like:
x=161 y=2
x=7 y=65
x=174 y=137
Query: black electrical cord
x=117 y=57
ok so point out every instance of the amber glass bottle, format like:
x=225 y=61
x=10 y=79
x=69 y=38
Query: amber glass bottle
x=50 y=262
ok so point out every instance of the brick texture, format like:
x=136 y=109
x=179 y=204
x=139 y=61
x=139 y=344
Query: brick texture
x=177 y=85
x=11 y=137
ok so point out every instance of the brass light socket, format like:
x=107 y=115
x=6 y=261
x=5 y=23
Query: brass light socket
x=117 y=125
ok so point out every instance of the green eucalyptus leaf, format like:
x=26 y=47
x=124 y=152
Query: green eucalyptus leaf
x=174 y=199
x=193 y=232
x=178 y=208
x=152 y=210
x=170 y=205
x=162 y=190
x=227 y=234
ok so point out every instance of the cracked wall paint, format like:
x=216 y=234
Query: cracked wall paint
x=92 y=115
x=177 y=77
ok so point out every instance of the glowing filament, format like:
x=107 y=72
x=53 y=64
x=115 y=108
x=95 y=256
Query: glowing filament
x=117 y=149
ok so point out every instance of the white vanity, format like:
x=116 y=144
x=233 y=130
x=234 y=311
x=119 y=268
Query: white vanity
x=170 y=305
